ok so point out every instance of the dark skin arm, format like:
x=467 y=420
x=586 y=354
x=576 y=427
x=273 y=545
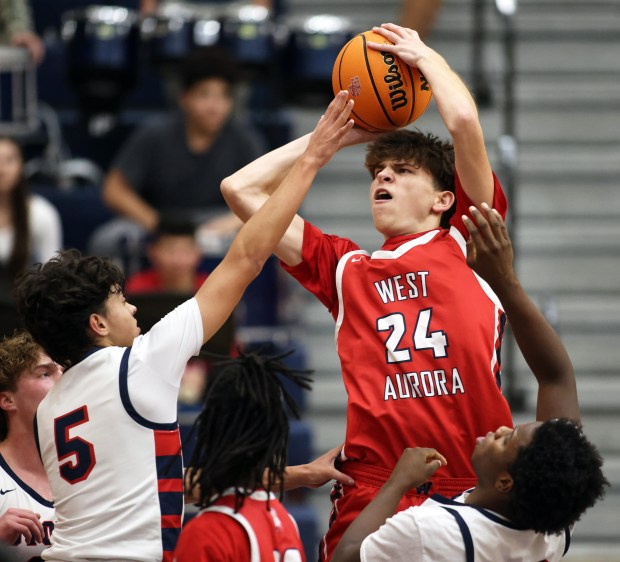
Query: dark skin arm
x=490 y=255
x=414 y=467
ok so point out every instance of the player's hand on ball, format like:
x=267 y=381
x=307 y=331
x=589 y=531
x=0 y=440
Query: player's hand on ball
x=406 y=43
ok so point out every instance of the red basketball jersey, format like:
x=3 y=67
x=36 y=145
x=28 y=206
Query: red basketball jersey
x=418 y=334
x=262 y=530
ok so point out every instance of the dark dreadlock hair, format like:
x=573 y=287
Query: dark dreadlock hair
x=243 y=428
x=557 y=476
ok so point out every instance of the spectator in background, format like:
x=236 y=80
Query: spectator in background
x=30 y=226
x=177 y=164
x=150 y=6
x=26 y=509
x=175 y=258
x=420 y=15
x=16 y=28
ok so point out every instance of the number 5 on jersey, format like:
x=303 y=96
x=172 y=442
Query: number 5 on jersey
x=78 y=453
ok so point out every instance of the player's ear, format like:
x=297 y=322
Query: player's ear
x=98 y=325
x=443 y=201
x=6 y=400
x=504 y=483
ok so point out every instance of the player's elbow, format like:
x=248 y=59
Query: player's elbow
x=464 y=120
x=236 y=198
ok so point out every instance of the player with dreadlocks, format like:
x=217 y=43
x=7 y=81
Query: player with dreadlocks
x=240 y=457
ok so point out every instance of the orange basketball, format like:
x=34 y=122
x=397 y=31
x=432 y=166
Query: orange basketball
x=388 y=93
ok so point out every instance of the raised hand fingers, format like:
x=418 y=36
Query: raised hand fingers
x=339 y=106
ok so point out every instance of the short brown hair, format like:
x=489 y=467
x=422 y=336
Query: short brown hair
x=17 y=353
x=425 y=150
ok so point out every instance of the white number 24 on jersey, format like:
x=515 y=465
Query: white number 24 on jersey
x=422 y=338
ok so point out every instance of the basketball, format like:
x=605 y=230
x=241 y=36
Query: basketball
x=388 y=93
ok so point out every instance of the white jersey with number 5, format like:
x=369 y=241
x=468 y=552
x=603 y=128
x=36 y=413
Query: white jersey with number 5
x=110 y=445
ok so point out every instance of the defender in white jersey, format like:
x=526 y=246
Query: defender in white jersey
x=108 y=433
x=534 y=481
x=26 y=509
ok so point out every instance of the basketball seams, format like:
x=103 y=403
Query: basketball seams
x=359 y=72
x=339 y=73
x=410 y=119
x=372 y=80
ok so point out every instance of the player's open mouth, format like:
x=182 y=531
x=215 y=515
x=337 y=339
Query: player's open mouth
x=382 y=195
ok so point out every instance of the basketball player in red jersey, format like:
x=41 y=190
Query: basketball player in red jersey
x=417 y=332
x=239 y=460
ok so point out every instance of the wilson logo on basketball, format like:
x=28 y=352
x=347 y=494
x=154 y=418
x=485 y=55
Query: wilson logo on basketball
x=394 y=80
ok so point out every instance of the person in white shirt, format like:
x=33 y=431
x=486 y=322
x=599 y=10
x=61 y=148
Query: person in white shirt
x=534 y=481
x=26 y=508
x=30 y=226
x=108 y=430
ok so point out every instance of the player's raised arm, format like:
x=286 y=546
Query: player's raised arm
x=490 y=255
x=455 y=104
x=247 y=189
x=413 y=468
x=258 y=238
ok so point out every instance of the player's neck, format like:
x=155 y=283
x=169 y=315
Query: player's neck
x=489 y=499
x=19 y=449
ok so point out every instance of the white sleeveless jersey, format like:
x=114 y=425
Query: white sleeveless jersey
x=110 y=444
x=14 y=493
x=444 y=530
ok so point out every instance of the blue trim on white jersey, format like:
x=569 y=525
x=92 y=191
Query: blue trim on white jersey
x=122 y=381
x=467 y=539
x=488 y=514
x=567 y=537
x=34 y=495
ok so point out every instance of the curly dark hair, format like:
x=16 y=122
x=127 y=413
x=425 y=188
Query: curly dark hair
x=424 y=150
x=56 y=299
x=243 y=427
x=556 y=477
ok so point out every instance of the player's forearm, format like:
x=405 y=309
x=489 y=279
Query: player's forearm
x=368 y=521
x=247 y=189
x=455 y=103
x=262 y=232
x=540 y=345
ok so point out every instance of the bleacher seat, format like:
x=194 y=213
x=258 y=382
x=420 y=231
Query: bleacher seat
x=81 y=211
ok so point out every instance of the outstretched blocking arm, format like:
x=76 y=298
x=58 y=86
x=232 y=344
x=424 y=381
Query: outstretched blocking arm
x=490 y=255
x=414 y=467
x=259 y=237
x=249 y=188
x=455 y=104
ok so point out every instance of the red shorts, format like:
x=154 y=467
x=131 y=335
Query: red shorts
x=349 y=501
